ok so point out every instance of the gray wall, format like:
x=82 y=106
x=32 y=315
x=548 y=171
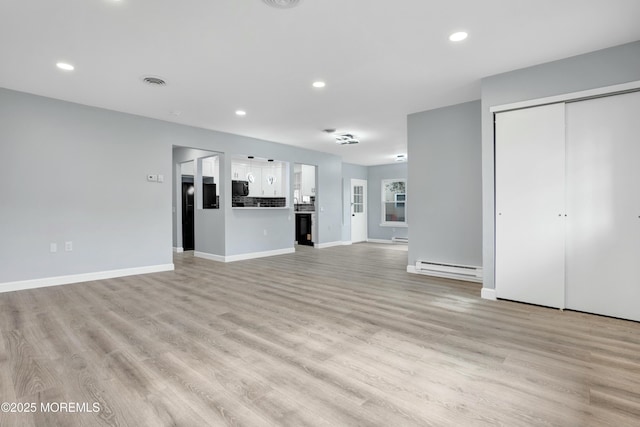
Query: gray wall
x=74 y=173
x=78 y=173
x=444 y=185
x=374 y=194
x=620 y=64
x=349 y=172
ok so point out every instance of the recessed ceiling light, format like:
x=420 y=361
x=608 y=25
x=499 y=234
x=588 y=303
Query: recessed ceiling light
x=458 y=37
x=241 y=113
x=65 y=66
x=282 y=4
x=319 y=84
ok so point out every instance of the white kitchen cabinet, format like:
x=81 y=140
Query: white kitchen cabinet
x=269 y=181
x=238 y=171
x=281 y=179
x=254 y=176
x=308 y=180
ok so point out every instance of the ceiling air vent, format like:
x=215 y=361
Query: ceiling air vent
x=346 y=138
x=154 y=81
x=282 y=4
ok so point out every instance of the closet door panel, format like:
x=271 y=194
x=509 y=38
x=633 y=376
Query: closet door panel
x=603 y=206
x=530 y=162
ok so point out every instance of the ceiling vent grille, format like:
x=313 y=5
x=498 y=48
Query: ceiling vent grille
x=282 y=4
x=154 y=81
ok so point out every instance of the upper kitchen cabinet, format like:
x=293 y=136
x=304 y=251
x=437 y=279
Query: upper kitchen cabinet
x=238 y=171
x=308 y=180
x=273 y=180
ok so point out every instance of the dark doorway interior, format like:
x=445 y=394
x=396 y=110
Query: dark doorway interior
x=188 y=191
x=303 y=229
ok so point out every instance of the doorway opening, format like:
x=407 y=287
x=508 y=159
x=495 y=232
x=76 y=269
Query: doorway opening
x=198 y=221
x=359 y=227
x=304 y=202
x=188 y=206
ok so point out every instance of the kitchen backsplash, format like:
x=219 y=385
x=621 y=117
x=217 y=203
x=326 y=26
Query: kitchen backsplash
x=304 y=207
x=258 y=202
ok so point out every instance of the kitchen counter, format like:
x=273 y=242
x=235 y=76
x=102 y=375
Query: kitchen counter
x=249 y=208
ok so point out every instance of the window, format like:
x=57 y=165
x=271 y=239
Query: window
x=358 y=199
x=394 y=202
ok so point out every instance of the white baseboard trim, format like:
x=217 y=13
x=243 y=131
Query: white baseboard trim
x=243 y=257
x=211 y=257
x=488 y=293
x=412 y=269
x=178 y=250
x=389 y=241
x=328 y=244
x=347 y=242
x=83 y=277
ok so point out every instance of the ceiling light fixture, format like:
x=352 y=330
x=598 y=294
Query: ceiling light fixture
x=346 y=139
x=319 y=84
x=154 y=81
x=282 y=4
x=241 y=113
x=401 y=158
x=64 y=66
x=458 y=37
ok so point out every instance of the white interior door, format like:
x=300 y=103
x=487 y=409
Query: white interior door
x=530 y=157
x=603 y=206
x=358 y=210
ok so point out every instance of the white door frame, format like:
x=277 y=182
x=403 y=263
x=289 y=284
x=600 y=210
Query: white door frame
x=358 y=211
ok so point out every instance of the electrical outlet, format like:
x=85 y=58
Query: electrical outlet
x=68 y=246
x=53 y=247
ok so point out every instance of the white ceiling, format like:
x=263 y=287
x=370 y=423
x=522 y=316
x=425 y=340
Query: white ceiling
x=381 y=60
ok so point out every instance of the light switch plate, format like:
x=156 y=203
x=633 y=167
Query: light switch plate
x=152 y=178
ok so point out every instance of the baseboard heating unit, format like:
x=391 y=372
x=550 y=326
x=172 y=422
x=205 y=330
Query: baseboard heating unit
x=400 y=239
x=450 y=271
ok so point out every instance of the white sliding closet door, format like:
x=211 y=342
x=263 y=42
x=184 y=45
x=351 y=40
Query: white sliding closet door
x=530 y=163
x=603 y=206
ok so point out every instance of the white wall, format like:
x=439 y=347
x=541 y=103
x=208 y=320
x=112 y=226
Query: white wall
x=620 y=64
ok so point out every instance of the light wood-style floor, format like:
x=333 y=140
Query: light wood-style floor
x=333 y=337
